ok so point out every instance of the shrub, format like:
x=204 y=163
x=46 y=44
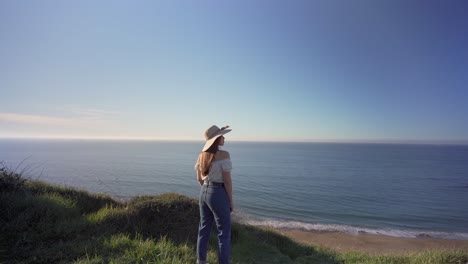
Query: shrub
x=172 y=215
x=87 y=202
x=10 y=181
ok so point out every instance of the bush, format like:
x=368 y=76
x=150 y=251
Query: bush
x=86 y=202
x=10 y=181
x=172 y=215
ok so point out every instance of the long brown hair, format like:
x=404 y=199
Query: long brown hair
x=207 y=157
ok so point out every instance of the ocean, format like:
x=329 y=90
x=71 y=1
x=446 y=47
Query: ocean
x=388 y=189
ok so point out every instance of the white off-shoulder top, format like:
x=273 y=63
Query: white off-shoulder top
x=216 y=171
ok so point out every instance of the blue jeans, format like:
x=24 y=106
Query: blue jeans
x=214 y=206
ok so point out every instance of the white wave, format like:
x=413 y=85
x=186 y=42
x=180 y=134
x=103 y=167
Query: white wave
x=355 y=230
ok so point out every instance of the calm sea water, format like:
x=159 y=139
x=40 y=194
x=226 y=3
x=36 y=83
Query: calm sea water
x=396 y=190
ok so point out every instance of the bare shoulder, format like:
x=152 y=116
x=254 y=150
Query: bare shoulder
x=222 y=154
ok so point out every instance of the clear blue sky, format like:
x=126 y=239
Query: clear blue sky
x=273 y=70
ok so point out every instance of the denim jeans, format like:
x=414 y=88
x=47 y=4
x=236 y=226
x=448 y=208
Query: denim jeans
x=214 y=206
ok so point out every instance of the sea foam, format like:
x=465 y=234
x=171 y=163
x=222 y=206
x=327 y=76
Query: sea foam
x=243 y=218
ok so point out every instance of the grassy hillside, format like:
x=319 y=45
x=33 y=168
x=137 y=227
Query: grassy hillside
x=43 y=223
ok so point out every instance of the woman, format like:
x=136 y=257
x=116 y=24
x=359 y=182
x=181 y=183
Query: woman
x=214 y=175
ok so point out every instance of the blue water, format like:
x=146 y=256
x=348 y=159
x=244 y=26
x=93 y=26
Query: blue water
x=396 y=190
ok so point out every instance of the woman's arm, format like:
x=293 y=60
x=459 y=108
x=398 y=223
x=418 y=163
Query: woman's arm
x=199 y=177
x=228 y=186
x=198 y=169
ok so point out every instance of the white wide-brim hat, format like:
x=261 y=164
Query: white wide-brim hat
x=213 y=133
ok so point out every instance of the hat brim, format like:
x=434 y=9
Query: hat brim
x=210 y=142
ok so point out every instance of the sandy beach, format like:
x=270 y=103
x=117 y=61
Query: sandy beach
x=373 y=244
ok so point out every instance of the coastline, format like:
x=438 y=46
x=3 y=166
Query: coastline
x=370 y=243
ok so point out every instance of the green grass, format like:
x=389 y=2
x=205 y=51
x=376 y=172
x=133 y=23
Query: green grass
x=43 y=223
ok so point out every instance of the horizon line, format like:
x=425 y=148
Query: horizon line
x=343 y=141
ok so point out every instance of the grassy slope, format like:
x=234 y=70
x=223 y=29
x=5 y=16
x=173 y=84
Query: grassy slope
x=42 y=223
